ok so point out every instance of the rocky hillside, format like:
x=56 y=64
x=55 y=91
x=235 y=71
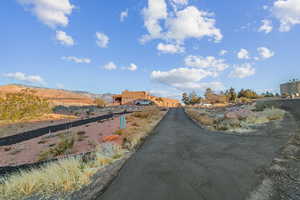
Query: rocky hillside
x=56 y=96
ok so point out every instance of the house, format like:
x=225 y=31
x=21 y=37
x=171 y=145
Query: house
x=136 y=97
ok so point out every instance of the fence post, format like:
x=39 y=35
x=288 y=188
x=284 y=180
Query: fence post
x=122 y=122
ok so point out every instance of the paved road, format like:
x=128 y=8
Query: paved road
x=183 y=161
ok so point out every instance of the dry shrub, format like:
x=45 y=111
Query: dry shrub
x=201 y=117
x=206 y=120
x=255 y=119
x=61 y=177
x=274 y=113
x=63 y=147
x=81 y=133
x=135 y=124
x=147 y=112
x=268 y=114
x=143 y=122
x=65 y=175
x=228 y=124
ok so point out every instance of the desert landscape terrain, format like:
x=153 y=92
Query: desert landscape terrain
x=255 y=138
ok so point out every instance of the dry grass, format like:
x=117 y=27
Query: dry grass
x=141 y=123
x=223 y=124
x=265 y=116
x=60 y=177
x=69 y=175
x=274 y=113
x=203 y=118
x=149 y=112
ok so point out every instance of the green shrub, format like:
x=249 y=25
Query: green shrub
x=64 y=146
x=23 y=105
x=119 y=132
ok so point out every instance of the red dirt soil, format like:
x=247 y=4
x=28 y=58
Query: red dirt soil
x=29 y=151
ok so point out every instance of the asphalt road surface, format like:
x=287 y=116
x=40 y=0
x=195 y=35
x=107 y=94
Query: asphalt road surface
x=182 y=161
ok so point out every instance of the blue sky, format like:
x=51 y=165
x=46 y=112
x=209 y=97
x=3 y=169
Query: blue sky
x=162 y=46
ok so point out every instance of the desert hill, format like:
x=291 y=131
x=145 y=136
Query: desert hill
x=57 y=96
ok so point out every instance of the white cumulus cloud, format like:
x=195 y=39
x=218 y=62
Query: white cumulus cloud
x=266 y=26
x=102 y=40
x=192 y=23
x=209 y=62
x=156 y=11
x=287 y=12
x=19 y=76
x=177 y=26
x=110 y=66
x=243 y=54
x=170 y=48
x=181 y=2
x=179 y=75
x=185 y=79
x=132 y=67
x=77 y=60
x=242 y=71
x=123 y=15
x=50 y=12
x=265 y=53
x=64 y=39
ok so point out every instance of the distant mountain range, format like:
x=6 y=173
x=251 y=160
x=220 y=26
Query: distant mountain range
x=106 y=96
x=59 y=96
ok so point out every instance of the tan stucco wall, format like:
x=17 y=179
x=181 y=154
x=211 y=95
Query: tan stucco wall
x=129 y=97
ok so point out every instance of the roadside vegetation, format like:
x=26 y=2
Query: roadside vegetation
x=224 y=97
x=238 y=118
x=25 y=106
x=70 y=174
x=140 y=125
x=58 y=178
x=63 y=147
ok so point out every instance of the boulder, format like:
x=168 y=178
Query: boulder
x=238 y=114
x=231 y=115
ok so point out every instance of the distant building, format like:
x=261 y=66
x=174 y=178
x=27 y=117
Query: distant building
x=290 y=88
x=143 y=98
